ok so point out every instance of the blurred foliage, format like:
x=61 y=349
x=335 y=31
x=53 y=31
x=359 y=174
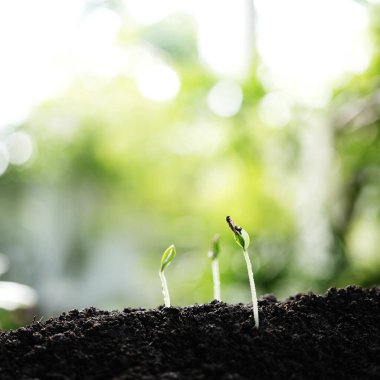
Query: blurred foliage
x=116 y=178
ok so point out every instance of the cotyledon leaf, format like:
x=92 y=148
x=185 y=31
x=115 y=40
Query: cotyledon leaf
x=214 y=251
x=241 y=236
x=167 y=257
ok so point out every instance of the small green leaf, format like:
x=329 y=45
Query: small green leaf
x=241 y=236
x=167 y=257
x=215 y=248
x=242 y=239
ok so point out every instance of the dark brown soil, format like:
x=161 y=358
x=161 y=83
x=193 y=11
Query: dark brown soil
x=335 y=336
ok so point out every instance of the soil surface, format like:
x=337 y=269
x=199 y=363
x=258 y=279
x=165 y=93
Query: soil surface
x=335 y=336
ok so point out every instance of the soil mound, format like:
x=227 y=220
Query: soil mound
x=335 y=336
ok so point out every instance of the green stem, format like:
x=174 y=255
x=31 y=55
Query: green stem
x=216 y=278
x=165 y=290
x=253 y=289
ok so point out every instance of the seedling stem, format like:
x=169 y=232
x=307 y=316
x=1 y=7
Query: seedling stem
x=213 y=255
x=216 y=278
x=253 y=288
x=165 y=290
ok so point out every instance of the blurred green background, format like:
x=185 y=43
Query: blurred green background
x=127 y=126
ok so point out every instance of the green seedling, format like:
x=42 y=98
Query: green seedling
x=213 y=254
x=242 y=238
x=166 y=259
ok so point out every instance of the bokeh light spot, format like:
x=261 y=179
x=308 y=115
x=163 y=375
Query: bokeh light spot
x=158 y=82
x=16 y=296
x=274 y=110
x=225 y=98
x=20 y=148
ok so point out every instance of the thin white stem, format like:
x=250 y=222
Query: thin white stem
x=216 y=278
x=165 y=290
x=253 y=289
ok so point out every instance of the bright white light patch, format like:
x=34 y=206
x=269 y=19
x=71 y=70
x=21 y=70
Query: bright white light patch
x=225 y=98
x=225 y=37
x=274 y=110
x=32 y=44
x=20 y=148
x=4 y=158
x=16 y=296
x=145 y=12
x=95 y=50
x=158 y=82
x=309 y=46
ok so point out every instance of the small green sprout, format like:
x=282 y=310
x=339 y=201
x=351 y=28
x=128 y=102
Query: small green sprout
x=166 y=259
x=213 y=254
x=242 y=238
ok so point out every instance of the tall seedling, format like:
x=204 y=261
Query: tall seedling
x=242 y=238
x=166 y=259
